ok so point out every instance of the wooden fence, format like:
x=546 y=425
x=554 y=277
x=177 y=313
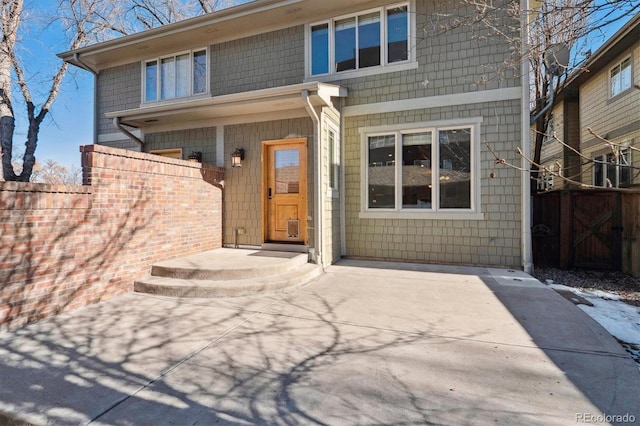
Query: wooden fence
x=597 y=229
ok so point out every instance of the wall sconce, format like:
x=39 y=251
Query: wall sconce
x=196 y=156
x=236 y=157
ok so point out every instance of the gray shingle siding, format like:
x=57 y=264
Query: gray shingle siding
x=202 y=140
x=268 y=60
x=119 y=88
x=459 y=60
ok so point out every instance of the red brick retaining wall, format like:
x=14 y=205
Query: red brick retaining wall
x=63 y=247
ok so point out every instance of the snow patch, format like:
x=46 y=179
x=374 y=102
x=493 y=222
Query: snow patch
x=620 y=319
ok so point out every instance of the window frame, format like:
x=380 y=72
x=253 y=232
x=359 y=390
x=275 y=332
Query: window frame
x=333 y=164
x=435 y=212
x=618 y=66
x=158 y=60
x=601 y=160
x=175 y=153
x=385 y=65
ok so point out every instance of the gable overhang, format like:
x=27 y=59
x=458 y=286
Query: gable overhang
x=623 y=40
x=256 y=17
x=247 y=107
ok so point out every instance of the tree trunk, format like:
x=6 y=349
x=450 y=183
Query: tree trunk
x=7 y=127
x=29 y=158
x=7 y=121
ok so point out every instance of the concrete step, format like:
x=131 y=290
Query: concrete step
x=230 y=264
x=297 y=248
x=175 y=287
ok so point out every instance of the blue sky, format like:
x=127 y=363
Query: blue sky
x=69 y=124
x=70 y=121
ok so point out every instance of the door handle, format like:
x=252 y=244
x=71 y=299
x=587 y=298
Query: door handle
x=269 y=193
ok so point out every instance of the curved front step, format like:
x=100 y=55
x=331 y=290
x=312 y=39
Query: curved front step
x=230 y=264
x=175 y=287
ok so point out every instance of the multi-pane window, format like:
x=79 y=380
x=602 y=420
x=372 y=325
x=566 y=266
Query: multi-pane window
x=176 y=76
x=612 y=171
x=375 y=38
x=430 y=169
x=621 y=77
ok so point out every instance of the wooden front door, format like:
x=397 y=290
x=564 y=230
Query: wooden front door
x=285 y=190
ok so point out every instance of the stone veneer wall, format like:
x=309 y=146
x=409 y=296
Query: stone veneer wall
x=63 y=247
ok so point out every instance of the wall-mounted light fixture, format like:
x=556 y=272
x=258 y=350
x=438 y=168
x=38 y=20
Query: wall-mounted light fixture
x=236 y=157
x=195 y=156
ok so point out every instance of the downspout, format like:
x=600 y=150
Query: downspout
x=317 y=226
x=76 y=58
x=116 y=123
x=343 y=186
x=527 y=256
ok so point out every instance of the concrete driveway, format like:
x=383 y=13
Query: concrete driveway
x=366 y=343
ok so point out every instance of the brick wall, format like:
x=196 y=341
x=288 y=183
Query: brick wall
x=63 y=247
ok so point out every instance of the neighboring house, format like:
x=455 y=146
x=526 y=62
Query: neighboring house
x=602 y=95
x=362 y=129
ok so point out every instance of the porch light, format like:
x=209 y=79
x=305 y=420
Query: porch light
x=236 y=157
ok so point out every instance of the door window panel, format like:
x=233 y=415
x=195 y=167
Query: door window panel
x=287 y=171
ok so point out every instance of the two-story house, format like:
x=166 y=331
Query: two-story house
x=359 y=125
x=600 y=103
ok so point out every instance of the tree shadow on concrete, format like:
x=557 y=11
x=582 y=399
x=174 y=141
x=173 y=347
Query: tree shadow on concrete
x=292 y=358
x=253 y=360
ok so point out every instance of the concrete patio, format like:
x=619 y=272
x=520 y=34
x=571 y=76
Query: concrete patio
x=365 y=343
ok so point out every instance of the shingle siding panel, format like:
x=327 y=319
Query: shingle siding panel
x=268 y=60
x=119 y=88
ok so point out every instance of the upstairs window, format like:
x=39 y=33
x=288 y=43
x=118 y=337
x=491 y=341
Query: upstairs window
x=176 y=76
x=621 y=77
x=374 y=38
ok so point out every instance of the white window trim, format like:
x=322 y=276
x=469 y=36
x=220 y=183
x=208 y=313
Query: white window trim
x=474 y=213
x=619 y=64
x=383 y=68
x=601 y=161
x=334 y=192
x=168 y=153
x=158 y=60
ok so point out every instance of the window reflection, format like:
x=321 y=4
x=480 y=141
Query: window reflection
x=416 y=171
x=345 y=42
x=320 y=49
x=369 y=40
x=455 y=169
x=287 y=165
x=382 y=172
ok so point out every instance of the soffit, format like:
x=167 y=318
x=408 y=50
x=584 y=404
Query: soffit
x=246 y=107
x=229 y=24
